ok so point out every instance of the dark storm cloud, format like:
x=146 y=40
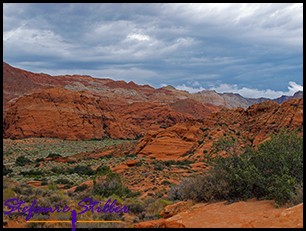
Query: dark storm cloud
x=192 y=46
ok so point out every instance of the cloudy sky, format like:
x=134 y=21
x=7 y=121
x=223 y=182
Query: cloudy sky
x=251 y=49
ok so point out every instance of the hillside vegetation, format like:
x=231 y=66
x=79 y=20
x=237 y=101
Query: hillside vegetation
x=273 y=171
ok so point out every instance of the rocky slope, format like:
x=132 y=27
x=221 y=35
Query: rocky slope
x=249 y=127
x=65 y=114
x=243 y=214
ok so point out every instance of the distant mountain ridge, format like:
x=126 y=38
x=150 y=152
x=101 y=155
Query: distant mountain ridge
x=18 y=82
x=80 y=107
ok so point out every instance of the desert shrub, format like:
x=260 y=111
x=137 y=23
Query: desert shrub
x=6 y=170
x=200 y=188
x=103 y=216
x=52 y=187
x=274 y=171
x=158 y=165
x=81 y=188
x=165 y=182
x=62 y=181
x=82 y=170
x=227 y=144
x=55 y=198
x=32 y=173
x=135 y=205
x=178 y=162
x=112 y=184
x=280 y=162
x=103 y=170
x=108 y=156
x=8 y=193
x=22 y=161
x=154 y=208
x=132 y=155
x=184 y=162
x=59 y=170
x=38 y=192
x=136 y=208
x=52 y=155
x=169 y=162
x=39 y=160
x=44 y=182
x=296 y=197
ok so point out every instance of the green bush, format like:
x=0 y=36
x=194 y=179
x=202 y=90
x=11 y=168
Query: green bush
x=62 y=181
x=132 y=155
x=81 y=188
x=103 y=170
x=136 y=208
x=39 y=160
x=165 y=182
x=59 y=170
x=6 y=170
x=158 y=165
x=52 y=155
x=44 y=182
x=112 y=184
x=274 y=171
x=82 y=170
x=32 y=173
x=22 y=161
x=297 y=196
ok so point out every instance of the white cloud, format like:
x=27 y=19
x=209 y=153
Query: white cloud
x=253 y=22
x=294 y=87
x=183 y=87
x=27 y=41
x=244 y=91
x=139 y=37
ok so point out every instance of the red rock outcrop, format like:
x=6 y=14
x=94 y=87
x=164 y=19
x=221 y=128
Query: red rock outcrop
x=243 y=214
x=171 y=143
x=65 y=114
x=249 y=127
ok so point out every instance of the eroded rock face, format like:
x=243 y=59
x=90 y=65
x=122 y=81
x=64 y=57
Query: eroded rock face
x=171 y=143
x=65 y=114
x=249 y=127
x=171 y=210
